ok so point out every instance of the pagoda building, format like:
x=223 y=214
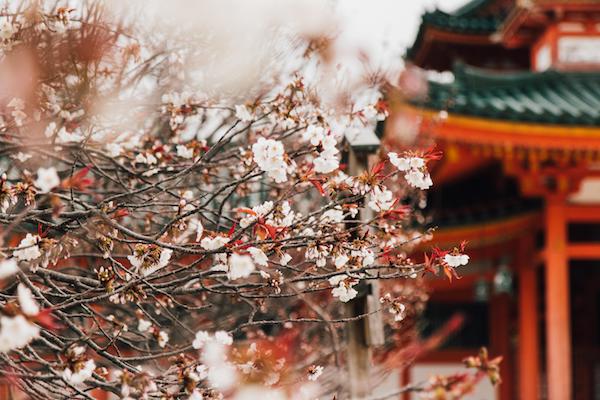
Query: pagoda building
x=517 y=115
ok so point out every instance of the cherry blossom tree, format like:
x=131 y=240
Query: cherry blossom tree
x=158 y=240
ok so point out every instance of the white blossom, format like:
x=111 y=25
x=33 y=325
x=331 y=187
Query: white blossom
x=8 y=197
x=240 y=266
x=341 y=260
x=314 y=134
x=402 y=163
x=18 y=105
x=418 y=179
x=381 y=199
x=399 y=311
x=204 y=337
x=50 y=129
x=415 y=170
x=214 y=243
x=285 y=259
x=343 y=289
x=257 y=211
x=243 y=113
x=314 y=372
x=222 y=376
x=184 y=151
x=284 y=216
x=114 y=149
x=333 y=215
x=456 y=260
x=22 y=157
x=147 y=158
x=16 y=332
x=196 y=225
x=28 y=304
x=47 y=179
x=269 y=156
x=65 y=136
x=223 y=338
x=201 y=338
x=258 y=256
x=344 y=293
x=325 y=163
x=144 y=325
x=28 y=248
x=81 y=374
x=7 y=30
x=366 y=255
x=138 y=262
x=162 y=339
x=8 y=268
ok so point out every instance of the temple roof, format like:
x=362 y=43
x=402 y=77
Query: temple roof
x=462 y=23
x=444 y=37
x=559 y=98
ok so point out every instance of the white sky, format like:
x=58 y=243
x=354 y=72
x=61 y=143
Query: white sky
x=241 y=34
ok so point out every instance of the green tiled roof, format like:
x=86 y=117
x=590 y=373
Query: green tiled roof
x=569 y=98
x=464 y=20
x=468 y=24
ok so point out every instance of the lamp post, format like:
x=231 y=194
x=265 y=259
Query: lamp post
x=364 y=333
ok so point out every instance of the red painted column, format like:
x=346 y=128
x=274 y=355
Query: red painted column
x=528 y=357
x=558 y=332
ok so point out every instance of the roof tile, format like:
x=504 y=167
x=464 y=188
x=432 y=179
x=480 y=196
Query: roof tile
x=548 y=97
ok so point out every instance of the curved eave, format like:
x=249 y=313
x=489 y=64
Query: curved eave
x=487 y=233
x=485 y=131
x=428 y=35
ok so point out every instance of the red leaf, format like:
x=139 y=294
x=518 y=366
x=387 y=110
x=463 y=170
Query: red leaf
x=246 y=211
x=232 y=230
x=450 y=272
x=79 y=180
x=428 y=264
x=121 y=213
x=431 y=154
x=318 y=185
x=437 y=253
x=378 y=168
x=381 y=106
x=271 y=230
x=46 y=319
x=42 y=233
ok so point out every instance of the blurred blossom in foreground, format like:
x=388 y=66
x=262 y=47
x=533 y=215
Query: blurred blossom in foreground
x=174 y=200
x=241 y=47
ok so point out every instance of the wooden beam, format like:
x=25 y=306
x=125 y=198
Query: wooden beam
x=558 y=334
x=587 y=214
x=583 y=251
x=505 y=134
x=528 y=357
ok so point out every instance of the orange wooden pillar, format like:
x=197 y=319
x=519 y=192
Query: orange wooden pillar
x=558 y=335
x=528 y=355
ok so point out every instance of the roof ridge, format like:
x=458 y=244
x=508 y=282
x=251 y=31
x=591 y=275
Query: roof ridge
x=471 y=7
x=460 y=22
x=552 y=97
x=469 y=76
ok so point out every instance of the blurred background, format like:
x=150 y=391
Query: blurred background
x=510 y=91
